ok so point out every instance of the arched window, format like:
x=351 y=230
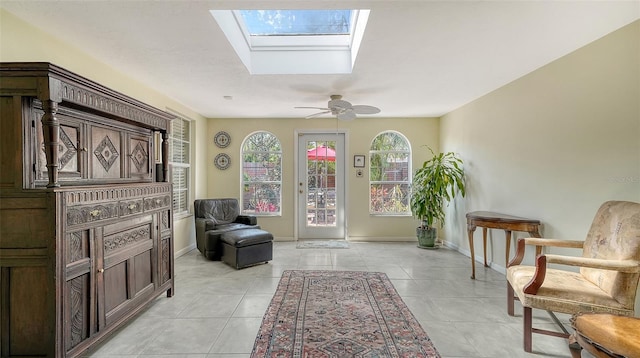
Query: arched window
x=389 y=174
x=261 y=174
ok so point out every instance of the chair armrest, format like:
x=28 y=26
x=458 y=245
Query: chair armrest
x=537 y=241
x=202 y=226
x=246 y=219
x=627 y=266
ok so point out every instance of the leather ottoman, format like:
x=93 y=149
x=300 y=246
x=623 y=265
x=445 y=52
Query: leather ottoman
x=243 y=248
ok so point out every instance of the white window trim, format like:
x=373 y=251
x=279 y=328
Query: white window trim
x=242 y=182
x=409 y=168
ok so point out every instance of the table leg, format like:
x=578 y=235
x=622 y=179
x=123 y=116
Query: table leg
x=484 y=245
x=470 y=231
x=507 y=233
x=538 y=248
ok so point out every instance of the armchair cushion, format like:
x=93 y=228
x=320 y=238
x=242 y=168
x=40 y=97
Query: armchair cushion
x=564 y=291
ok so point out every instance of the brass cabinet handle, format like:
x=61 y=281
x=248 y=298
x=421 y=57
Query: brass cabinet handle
x=101 y=270
x=132 y=206
x=94 y=213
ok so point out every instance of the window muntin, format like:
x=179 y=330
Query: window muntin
x=179 y=160
x=389 y=174
x=261 y=175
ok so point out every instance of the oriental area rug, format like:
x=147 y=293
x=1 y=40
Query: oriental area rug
x=339 y=314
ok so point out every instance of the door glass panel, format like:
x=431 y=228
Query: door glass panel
x=321 y=183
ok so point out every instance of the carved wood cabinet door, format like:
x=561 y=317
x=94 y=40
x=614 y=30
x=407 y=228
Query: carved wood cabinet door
x=126 y=275
x=79 y=304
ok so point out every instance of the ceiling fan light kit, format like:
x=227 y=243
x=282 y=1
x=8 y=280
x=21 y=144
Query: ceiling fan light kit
x=342 y=109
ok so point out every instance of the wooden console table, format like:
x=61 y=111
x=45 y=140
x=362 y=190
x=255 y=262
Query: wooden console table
x=490 y=220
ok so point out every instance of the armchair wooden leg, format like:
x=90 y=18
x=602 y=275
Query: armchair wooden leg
x=528 y=330
x=510 y=299
x=574 y=347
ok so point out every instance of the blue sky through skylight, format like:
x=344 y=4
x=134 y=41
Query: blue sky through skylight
x=297 y=22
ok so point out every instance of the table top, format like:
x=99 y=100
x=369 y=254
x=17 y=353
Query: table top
x=618 y=334
x=498 y=217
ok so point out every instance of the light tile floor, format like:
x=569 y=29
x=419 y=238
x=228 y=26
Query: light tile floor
x=216 y=310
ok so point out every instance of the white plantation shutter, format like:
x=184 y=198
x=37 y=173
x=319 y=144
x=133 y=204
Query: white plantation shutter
x=179 y=159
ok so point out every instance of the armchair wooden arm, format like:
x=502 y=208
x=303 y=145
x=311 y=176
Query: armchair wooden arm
x=627 y=266
x=538 y=242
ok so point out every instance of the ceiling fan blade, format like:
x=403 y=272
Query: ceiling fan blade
x=347 y=115
x=363 y=109
x=323 y=108
x=317 y=114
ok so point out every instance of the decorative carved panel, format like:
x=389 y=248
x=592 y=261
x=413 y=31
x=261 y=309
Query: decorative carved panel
x=166 y=260
x=164 y=220
x=77 y=314
x=106 y=153
x=106 y=149
x=100 y=102
x=126 y=238
x=76 y=247
x=140 y=158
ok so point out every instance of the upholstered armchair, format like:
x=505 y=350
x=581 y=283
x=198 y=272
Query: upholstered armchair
x=606 y=282
x=214 y=217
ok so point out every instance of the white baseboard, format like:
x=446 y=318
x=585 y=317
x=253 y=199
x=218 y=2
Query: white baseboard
x=184 y=251
x=381 y=239
x=478 y=259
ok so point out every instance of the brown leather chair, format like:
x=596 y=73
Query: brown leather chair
x=606 y=282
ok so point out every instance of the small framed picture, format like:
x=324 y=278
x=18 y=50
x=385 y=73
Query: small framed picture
x=358 y=161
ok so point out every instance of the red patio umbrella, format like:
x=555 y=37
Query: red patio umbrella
x=321 y=153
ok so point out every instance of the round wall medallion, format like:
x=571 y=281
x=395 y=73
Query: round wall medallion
x=222 y=161
x=222 y=139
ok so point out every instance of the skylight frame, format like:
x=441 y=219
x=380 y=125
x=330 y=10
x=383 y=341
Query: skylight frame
x=293 y=54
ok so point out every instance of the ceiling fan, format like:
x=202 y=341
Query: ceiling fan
x=342 y=109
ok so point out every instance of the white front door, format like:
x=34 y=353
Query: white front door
x=321 y=181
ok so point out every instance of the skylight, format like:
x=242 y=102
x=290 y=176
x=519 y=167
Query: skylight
x=297 y=22
x=294 y=41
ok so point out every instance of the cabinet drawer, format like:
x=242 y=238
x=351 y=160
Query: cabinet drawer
x=157 y=202
x=77 y=215
x=130 y=207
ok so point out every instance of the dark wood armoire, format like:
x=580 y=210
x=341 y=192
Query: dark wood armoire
x=86 y=230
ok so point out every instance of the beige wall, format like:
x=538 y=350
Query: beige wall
x=552 y=145
x=359 y=134
x=20 y=41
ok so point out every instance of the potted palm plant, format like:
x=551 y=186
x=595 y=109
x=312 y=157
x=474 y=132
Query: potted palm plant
x=435 y=184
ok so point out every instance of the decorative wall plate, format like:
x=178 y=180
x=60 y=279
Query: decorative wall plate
x=222 y=139
x=222 y=161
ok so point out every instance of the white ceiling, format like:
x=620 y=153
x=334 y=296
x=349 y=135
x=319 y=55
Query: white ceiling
x=417 y=58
